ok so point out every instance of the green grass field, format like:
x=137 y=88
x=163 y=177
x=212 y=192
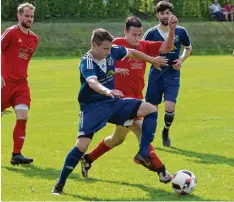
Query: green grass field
x=202 y=138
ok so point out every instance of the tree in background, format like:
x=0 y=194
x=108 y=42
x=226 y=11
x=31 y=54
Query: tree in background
x=95 y=10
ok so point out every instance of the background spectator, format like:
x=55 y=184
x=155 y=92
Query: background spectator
x=216 y=10
x=229 y=11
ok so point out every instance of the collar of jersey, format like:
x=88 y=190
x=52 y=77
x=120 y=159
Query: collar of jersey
x=163 y=34
x=100 y=63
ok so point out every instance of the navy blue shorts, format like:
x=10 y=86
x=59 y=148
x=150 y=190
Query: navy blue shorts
x=156 y=90
x=117 y=111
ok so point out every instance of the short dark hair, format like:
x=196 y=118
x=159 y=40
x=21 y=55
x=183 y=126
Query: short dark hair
x=132 y=21
x=99 y=35
x=162 y=6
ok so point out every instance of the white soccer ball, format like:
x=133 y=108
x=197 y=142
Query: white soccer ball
x=183 y=182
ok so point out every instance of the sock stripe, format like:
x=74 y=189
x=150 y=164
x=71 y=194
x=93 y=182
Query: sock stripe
x=170 y=113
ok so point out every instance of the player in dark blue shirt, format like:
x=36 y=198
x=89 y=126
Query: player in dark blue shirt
x=100 y=102
x=167 y=82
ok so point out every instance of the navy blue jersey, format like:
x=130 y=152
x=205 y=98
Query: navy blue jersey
x=181 y=38
x=103 y=70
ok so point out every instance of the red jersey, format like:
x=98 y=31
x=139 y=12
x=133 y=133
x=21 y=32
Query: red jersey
x=17 y=50
x=228 y=8
x=133 y=84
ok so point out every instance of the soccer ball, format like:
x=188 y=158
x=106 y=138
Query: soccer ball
x=183 y=182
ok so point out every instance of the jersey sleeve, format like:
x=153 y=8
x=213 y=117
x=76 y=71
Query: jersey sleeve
x=185 y=38
x=116 y=41
x=152 y=47
x=118 y=52
x=87 y=69
x=6 y=39
x=147 y=36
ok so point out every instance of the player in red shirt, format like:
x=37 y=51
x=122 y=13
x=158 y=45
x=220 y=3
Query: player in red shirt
x=18 y=44
x=130 y=81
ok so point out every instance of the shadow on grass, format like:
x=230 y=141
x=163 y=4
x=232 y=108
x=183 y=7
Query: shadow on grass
x=202 y=157
x=153 y=194
x=6 y=112
x=32 y=171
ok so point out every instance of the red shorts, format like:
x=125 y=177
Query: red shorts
x=14 y=93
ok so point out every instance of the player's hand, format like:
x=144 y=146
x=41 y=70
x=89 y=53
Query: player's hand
x=2 y=82
x=159 y=61
x=122 y=72
x=114 y=93
x=172 y=22
x=177 y=64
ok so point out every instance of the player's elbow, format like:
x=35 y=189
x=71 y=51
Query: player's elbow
x=131 y=53
x=189 y=49
x=169 y=48
x=91 y=82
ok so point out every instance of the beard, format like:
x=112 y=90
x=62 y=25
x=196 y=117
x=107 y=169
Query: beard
x=164 y=22
x=25 y=25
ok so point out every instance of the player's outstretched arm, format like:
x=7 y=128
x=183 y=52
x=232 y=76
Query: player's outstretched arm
x=155 y=61
x=99 y=88
x=168 y=45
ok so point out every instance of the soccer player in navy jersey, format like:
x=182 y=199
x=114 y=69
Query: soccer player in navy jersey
x=135 y=81
x=100 y=102
x=167 y=82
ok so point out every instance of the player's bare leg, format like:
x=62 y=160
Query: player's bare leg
x=19 y=134
x=226 y=15
x=168 y=119
x=117 y=137
x=107 y=144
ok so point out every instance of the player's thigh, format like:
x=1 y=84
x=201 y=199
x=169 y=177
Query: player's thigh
x=92 y=120
x=125 y=110
x=145 y=109
x=154 y=93
x=120 y=133
x=95 y=116
x=171 y=93
x=136 y=128
x=6 y=94
x=22 y=95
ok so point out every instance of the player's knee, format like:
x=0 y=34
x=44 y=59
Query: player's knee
x=170 y=107
x=118 y=142
x=145 y=109
x=21 y=111
x=113 y=141
x=22 y=115
x=82 y=143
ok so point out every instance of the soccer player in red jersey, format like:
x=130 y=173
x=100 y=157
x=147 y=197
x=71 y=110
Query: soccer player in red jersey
x=18 y=43
x=130 y=80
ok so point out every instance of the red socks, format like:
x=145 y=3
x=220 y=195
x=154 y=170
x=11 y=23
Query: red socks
x=155 y=160
x=99 y=151
x=19 y=135
x=102 y=149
